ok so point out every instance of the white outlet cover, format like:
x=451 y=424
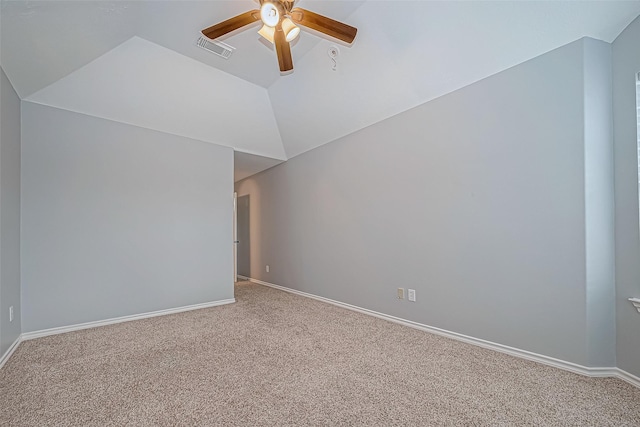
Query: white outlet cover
x=11 y=314
x=412 y=295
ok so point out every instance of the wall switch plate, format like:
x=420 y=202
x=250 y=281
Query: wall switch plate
x=266 y=268
x=412 y=295
x=11 y=314
x=400 y=293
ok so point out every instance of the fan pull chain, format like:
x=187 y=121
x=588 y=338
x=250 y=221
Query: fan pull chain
x=333 y=53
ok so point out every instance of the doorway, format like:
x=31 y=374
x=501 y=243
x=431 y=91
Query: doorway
x=243 y=239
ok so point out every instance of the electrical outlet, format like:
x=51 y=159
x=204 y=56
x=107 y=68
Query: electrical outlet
x=400 y=293
x=412 y=295
x=266 y=268
x=11 y=314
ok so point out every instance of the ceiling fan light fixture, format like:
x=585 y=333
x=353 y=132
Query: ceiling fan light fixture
x=281 y=25
x=291 y=30
x=269 y=14
x=267 y=33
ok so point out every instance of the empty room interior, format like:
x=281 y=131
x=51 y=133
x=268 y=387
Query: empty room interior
x=350 y=212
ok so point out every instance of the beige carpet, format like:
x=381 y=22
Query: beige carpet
x=276 y=359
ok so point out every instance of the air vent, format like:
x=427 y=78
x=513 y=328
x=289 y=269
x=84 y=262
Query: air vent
x=219 y=48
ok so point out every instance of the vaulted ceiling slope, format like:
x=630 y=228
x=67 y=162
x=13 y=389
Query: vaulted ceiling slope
x=147 y=85
x=137 y=62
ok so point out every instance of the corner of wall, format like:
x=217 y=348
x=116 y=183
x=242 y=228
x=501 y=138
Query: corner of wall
x=599 y=203
x=10 y=147
x=625 y=65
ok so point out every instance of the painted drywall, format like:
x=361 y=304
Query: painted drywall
x=245 y=164
x=77 y=33
x=171 y=93
x=244 y=236
x=119 y=220
x=599 y=204
x=9 y=213
x=626 y=63
x=409 y=52
x=476 y=200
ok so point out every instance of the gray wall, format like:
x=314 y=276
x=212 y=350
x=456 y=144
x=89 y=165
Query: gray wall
x=626 y=63
x=119 y=220
x=599 y=204
x=475 y=199
x=9 y=213
x=244 y=236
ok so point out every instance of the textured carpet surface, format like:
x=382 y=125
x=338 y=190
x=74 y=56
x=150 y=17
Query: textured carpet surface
x=277 y=359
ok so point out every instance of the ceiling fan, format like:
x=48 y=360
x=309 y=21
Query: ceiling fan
x=280 y=26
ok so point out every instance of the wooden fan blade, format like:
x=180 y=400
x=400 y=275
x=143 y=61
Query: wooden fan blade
x=283 y=50
x=231 y=24
x=325 y=25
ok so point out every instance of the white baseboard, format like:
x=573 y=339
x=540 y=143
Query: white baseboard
x=88 y=325
x=626 y=376
x=524 y=354
x=10 y=351
x=64 y=329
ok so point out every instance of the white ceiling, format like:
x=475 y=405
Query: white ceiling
x=246 y=165
x=136 y=62
x=147 y=85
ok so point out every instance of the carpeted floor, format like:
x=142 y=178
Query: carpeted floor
x=277 y=359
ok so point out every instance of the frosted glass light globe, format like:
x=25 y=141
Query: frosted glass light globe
x=269 y=14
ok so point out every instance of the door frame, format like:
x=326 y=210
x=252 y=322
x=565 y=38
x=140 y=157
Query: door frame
x=235 y=237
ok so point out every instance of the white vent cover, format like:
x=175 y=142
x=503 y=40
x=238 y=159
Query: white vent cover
x=219 y=48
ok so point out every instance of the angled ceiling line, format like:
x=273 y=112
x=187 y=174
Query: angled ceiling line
x=203 y=103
